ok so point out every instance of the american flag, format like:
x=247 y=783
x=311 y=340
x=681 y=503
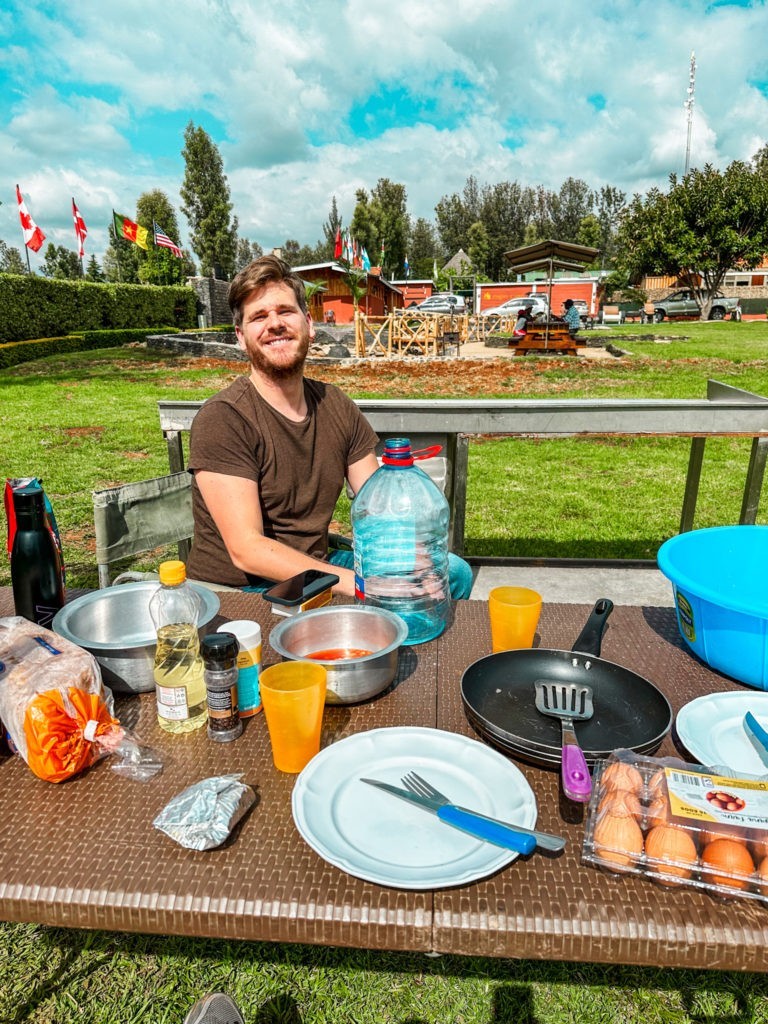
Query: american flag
x=162 y=239
x=80 y=229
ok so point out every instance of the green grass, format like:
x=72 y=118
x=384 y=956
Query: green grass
x=87 y=420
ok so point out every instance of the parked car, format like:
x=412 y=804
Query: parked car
x=538 y=303
x=443 y=302
x=683 y=304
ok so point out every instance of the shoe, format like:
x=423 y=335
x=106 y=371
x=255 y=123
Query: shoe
x=214 y=1009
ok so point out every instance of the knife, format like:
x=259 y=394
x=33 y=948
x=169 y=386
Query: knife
x=510 y=837
x=756 y=730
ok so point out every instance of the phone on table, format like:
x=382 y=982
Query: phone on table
x=305 y=590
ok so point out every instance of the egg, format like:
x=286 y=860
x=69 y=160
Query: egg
x=762 y=876
x=730 y=856
x=669 y=850
x=620 y=775
x=658 y=812
x=657 y=786
x=759 y=847
x=621 y=803
x=618 y=840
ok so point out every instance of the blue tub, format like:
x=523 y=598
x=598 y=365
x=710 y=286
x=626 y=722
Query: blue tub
x=720 y=582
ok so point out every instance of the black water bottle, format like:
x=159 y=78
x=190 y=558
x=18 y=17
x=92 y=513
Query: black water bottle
x=38 y=586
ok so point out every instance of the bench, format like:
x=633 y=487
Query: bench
x=725 y=412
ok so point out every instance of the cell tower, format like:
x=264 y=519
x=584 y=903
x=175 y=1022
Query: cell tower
x=689 y=108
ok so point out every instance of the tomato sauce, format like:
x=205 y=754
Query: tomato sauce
x=339 y=654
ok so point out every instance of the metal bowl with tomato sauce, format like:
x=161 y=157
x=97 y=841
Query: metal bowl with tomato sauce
x=359 y=647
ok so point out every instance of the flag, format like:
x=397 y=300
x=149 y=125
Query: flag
x=125 y=228
x=80 y=229
x=337 y=244
x=434 y=270
x=164 y=241
x=366 y=260
x=381 y=257
x=407 y=265
x=33 y=236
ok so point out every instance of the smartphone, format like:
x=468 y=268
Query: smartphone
x=300 y=588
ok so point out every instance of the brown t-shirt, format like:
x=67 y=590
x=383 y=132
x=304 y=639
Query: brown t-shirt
x=299 y=468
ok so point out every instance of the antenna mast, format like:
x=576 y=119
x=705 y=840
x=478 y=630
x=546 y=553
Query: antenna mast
x=689 y=108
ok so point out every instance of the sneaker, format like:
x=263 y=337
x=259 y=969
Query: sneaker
x=214 y=1009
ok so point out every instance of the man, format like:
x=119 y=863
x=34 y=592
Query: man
x=571 y=317
x=270 y=452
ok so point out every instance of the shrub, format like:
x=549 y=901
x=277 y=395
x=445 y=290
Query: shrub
x=14 y=352
x=37 y=307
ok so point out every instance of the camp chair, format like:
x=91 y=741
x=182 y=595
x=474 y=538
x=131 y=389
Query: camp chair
x=141 y=516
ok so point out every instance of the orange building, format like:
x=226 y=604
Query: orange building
x=492 y=293
x=334 y=303
x=415 y=291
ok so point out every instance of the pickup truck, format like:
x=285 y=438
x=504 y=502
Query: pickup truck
x=683 y=304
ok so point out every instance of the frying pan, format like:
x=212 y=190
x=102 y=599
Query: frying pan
x=498 y=696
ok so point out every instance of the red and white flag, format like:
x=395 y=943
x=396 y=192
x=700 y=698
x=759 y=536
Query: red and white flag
x=33 y=236
x=337 y=244
x=80 y=229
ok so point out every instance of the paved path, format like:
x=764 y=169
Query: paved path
x=643 y=587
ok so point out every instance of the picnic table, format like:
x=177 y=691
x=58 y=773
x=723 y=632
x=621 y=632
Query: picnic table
x=84 y=854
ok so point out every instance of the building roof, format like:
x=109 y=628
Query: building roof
x=456 y=261
x=337 y=268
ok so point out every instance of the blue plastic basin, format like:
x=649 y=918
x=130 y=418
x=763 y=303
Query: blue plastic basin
x=720 y=582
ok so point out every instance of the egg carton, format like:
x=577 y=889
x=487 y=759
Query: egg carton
x=679 y=824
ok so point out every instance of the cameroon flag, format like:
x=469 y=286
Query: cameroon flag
x=125 y=228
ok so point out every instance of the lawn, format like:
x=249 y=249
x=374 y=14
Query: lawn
x=88 y=420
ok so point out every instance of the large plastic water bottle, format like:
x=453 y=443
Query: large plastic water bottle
x=400 y=537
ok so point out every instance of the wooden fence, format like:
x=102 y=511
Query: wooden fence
x=423 y=334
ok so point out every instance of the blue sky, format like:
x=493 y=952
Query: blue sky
x=308 y=99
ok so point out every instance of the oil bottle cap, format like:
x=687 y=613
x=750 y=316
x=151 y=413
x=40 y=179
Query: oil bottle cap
x=172 y=573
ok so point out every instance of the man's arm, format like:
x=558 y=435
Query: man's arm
x=234 y=505
x=359 y=471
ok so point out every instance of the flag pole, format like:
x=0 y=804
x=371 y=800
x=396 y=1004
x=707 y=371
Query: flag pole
x=23 y=239
x=117 y=248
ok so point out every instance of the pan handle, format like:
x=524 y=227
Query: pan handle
x=591 y=637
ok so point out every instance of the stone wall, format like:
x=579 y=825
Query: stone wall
x=212 y=299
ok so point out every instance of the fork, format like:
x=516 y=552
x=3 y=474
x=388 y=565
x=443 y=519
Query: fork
x=416 y=784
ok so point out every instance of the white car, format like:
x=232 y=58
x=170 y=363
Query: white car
x=538 y=303
x=443 y=302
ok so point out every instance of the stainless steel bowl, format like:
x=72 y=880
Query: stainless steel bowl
x=114 y=624
x=369 y=629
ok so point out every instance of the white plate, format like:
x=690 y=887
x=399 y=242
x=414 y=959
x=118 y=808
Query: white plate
x=712 y=728
x=379 y=838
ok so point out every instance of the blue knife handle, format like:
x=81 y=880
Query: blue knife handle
x=756 y=729
x=485 y=828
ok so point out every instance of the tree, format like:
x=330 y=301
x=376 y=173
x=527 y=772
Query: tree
x=590 y=233
x=61 y=263
x=568 y=207
x=246 y=252
x=609 y=205
x=93 y=271
x=504 y=211
x=479 y=247
x=390 y=214
x=206 y=205
x=363 y=226
x=422 y=248
x=708 y=222
x=760 y=160
x=456 y=214
x=10 y=260
x=330 y=228
x=121 y=259
x=156 y=264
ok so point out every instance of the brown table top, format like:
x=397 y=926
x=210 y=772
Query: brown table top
x=84 y=854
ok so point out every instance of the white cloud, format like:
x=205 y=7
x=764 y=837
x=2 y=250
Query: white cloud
x=94 y=102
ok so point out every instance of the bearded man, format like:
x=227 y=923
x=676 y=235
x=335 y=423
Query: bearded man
x=270 y=453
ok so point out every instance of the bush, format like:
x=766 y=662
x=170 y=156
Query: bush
x=14 y=352
x=754 y=306
x=37 y=307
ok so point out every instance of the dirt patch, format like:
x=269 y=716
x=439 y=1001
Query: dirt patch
x=83 y=431
x=134 y=456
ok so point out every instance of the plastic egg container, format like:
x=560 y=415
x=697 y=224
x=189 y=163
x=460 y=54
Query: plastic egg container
x=679 y=824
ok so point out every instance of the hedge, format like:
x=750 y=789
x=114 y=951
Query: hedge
x=14 y=352
x=38 y=307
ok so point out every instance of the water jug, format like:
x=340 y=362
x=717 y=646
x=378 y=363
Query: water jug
x=400 y=537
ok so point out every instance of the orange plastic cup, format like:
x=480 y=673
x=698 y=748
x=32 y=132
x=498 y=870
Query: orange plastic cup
x=514 y=613
x=293 y=696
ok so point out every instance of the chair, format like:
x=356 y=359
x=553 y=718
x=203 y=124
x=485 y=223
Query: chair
x=612 y=315
x=141 y=516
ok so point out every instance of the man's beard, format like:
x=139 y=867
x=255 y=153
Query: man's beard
x=261 y=362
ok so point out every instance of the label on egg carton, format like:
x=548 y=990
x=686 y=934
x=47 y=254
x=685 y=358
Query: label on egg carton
x=696 y=797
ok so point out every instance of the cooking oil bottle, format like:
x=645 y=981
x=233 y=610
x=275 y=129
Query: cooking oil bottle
x=179 y=680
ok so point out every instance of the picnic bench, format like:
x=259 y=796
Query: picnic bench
x=84 y=854
x=725 y=412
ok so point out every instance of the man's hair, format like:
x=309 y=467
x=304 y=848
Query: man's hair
x=568 y=303
x=263 y=271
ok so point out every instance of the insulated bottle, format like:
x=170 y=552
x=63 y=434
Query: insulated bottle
x=36 y=570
